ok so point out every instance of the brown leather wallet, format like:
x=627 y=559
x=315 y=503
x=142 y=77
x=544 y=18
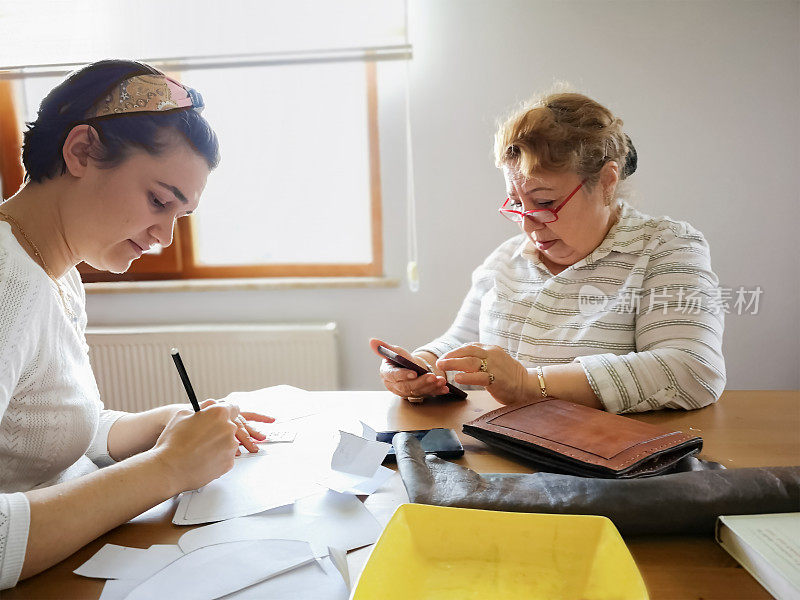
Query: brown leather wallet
x=576 y=439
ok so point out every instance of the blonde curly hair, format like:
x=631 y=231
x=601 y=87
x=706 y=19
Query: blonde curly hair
x=564 y=131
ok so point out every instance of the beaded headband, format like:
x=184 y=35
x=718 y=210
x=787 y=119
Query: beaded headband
x=147 y=93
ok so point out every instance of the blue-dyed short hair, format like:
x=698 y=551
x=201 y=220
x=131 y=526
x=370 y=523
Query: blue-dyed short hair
x=69 y=102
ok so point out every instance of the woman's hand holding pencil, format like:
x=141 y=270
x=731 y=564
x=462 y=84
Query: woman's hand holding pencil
x=243 y=430
x=198 y=447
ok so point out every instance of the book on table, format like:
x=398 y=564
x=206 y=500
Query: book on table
x=768 y=546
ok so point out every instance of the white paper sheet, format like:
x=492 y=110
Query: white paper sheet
x=215 y=571
x=356 y=484
x=382 y=505
x=256 y=483
x=328 y=519
x=121 y=562
x=358 y=456
x=356 y=465
x=320 y=581
x=117 y=589
x=367 y=432
x=282 y=402
x=326 y=579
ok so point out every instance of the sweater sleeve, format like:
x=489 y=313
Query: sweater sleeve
x=678 y=361
x=15 y=518
x=98 y=449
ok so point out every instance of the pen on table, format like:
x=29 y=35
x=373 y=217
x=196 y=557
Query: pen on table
x=176 y=357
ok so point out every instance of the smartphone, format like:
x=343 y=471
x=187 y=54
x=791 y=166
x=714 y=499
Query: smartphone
x=444 y=443
x=404 y=363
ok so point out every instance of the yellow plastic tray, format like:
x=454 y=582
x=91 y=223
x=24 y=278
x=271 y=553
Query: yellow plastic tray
x=438 y=553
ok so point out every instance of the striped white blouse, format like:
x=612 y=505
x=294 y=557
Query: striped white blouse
x=641 y=314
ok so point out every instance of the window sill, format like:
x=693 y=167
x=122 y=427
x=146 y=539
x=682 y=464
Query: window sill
x=225 y=285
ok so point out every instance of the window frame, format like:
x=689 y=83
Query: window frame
x=178 y=260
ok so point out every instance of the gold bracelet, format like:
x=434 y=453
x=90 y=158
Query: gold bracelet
x=540 y=374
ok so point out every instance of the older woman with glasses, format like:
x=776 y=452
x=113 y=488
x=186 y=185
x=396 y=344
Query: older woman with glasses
x=593 y=302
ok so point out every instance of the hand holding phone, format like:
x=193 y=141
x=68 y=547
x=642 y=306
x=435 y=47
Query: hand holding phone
x=404 y=363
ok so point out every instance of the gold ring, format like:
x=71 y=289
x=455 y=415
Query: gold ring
x=415 y=399
x=491 y=378
x=484 y=367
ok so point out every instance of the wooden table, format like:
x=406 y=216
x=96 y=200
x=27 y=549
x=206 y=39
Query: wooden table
x=744 y=429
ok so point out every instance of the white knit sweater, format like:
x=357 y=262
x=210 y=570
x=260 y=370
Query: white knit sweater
x=52 y=424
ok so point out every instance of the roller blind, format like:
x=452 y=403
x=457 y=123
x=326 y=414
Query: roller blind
x=42 y=35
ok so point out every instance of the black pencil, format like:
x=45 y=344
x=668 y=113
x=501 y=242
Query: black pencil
x=176 y=357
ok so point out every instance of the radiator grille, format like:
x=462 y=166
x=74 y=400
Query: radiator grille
x=135 y=372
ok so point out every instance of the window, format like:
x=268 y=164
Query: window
x=298 y=191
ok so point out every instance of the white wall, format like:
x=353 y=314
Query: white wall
x=710 y=94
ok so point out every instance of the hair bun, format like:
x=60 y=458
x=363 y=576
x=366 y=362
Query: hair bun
x=631 y=159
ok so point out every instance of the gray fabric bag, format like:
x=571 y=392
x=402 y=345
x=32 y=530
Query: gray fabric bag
x=686 y=502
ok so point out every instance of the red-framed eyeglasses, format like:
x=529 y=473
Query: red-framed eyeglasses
x=540 y=215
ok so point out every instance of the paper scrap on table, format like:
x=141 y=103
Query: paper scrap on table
x=326 y=519
x=364 y=487
x=323 y=580
x=215 y=571
x=282 y=402
x=121 y=562
x=118 y=589
x=327 y=578
x=367 y=432
x=359 y=428
x=357 y=456
x=356 y=465
x=256 y=483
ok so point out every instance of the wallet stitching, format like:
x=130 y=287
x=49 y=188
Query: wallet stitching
x=603 y=458
x=657 y=448
x=585 y=468
x=484 y=420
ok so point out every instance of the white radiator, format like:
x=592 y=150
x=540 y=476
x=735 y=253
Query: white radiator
x=135 y=372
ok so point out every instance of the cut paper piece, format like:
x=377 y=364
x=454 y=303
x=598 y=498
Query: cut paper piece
x=327 y=519
x=364 y=487
x=356 y=456
x=329 y=579
x=357 y=427
x=383 y=504
x=121 y=562
x=256 y=483
x=222 y=569
x=320 y=581
x=282 y=402
x=367 y=432
x=338 y=558
x=118 y=589
x=356 y=465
